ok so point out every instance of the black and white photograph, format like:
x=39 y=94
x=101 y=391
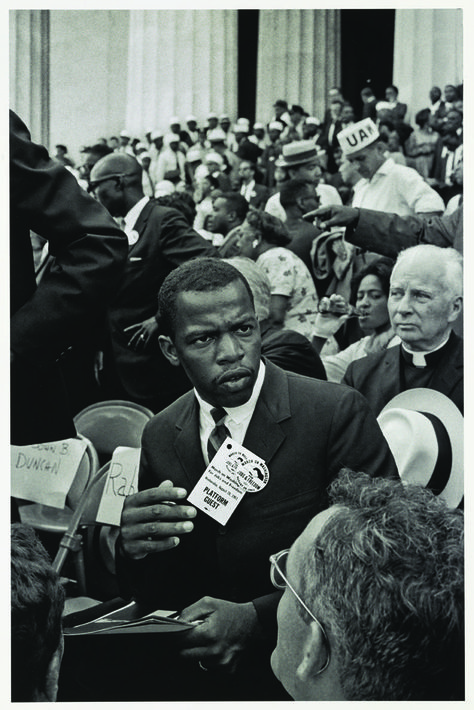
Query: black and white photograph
x=236 y=387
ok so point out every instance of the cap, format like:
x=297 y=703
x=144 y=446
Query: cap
x=217 y=135
x=358 y=136
x=275 y=126
x=297 y=153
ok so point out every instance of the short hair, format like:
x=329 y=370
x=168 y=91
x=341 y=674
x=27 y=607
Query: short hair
x=62 y=147
x=202 y=274
x=381 y=268
x=422 y=117
x=291 y=190
x=367 y=91
x=449 y=257
x=236 y=203
x=271 y=228
x=250 y=162
x=99 y=149
x=181 y=201
x=37 y=602
x=385 y=578
x=394 y=88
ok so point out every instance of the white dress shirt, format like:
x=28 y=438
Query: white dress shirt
x=237 y=419
x=397 y=188
x=130 y=220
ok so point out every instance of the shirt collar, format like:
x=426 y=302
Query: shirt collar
x=132 y=215
x=419 y=357
x=244 y=411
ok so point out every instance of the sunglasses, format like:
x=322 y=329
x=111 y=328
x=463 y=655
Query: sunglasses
x=280 y=580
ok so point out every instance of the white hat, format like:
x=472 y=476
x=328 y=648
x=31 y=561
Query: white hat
x=174 y=120
x=224 y=117
x=297 y=153
x=275 y=126
x=164 y=187
x=383 y=106
x=171 y=138
x=214 y=158
x=194 y=154
x=216 y=135
x=357 y=136
x=156 y=134
x=125 y=134
x=211 y=114
x=312 y=120
x=240 y=128
x=258 y=125
x=243 y=122
x=190 y=118
x=424 y=430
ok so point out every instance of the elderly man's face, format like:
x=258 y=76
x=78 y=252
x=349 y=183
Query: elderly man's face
x=421 y=309
x=293 y=621
x=217 y=342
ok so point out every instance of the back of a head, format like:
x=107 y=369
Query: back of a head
x=37 y=602
x=291 y=190
x=202 y=275
x=271 y=229
x=385 y=578
x=119 y=164
x=181 y=201
x=258 y=282
x=236 y=203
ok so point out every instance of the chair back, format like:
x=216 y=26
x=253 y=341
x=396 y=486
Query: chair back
x=112 y=423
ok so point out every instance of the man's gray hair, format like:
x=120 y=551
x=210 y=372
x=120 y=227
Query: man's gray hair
x=450 y=258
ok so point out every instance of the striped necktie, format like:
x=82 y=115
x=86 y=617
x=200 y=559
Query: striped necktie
x=219 y=434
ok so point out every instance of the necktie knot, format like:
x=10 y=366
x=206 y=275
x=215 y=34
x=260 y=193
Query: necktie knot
x=218 y=414
x=219 y=434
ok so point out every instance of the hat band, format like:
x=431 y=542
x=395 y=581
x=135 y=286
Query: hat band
x=444 y=462
x=300 y=157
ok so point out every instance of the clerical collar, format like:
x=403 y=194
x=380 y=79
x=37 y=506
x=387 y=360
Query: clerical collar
x=419 y=357
x=239 y=414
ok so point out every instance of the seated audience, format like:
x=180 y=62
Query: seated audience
x=373 y=607
x=294 y=302
x=424 y=302
x=37 y=601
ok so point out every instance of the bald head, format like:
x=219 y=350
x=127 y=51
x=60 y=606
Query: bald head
x=116 y=181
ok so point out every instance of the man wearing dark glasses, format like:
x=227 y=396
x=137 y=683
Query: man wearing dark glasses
x=373 y=597
x=159 y=240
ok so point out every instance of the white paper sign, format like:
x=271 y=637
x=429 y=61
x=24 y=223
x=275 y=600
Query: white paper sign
x=233 y=471
x=122 y=481
x=43 y=473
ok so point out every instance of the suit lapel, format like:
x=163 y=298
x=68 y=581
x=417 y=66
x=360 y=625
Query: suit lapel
x=265 y=434
x=450 y=370
x=188 y=442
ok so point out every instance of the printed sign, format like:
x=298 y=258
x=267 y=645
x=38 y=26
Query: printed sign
x=43 y=473
x=122 y=481
x=233 y=471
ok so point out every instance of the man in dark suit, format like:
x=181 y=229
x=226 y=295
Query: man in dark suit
x=87 y=255
x=398 y=110
x=255 y=194
x=159 y=240
x=424 y=302
x=304 y=430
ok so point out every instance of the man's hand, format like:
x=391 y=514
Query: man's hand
x=222 y=636
x=152 y=520
x=143 y=332
x=333 y=216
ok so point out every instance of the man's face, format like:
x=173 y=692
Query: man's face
x=296 y=117
x=449 y=93
x=347 y=114
x=124 y=140
x=368 y=160
x=217 y=342
x=293 y=630
x=274 y=135
x=192 y=125
x=279 y=111
x=220 y=217
x=390 y=95
x=158 y=142
x=435 y=94
x=212 y=123
x=259 y=133
x=246 y=171
x=108 y=192
x=349 y=171
x=308 y=200
x=453 y=122
x=224 y=124
x=421 y=310
x=311 y=172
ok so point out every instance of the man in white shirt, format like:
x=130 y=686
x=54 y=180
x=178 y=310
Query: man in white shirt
x=300 y=160
x=387 y=186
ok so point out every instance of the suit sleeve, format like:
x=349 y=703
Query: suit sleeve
x=89 y=250
x=180 y=242
x=356 y=440
x=387 y=234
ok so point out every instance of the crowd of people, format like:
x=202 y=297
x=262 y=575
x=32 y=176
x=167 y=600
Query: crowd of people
x=294 y=285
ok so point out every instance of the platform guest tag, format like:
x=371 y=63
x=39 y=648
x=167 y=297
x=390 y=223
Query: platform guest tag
x=233 y=471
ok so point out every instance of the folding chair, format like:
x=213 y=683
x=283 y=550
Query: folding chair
x=112 y=423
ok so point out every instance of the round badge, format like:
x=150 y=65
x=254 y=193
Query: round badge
x=252 y=475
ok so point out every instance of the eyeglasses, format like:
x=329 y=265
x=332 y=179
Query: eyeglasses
x=93 y=184
x=280 y=581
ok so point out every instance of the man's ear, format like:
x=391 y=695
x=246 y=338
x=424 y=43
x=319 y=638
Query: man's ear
x=456 y=309
x=168 y=349
x=314 y=654
x=52 y=674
